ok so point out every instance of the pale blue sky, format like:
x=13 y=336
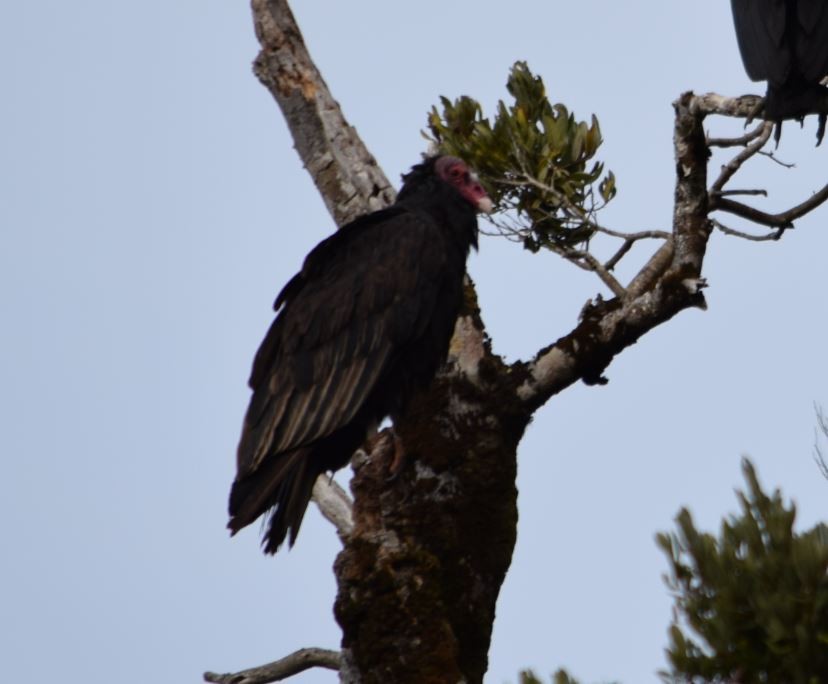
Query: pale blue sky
x=151 y=206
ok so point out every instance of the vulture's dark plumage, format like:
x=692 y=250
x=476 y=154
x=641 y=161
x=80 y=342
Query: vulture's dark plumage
x=363 y=325
x=785 y=42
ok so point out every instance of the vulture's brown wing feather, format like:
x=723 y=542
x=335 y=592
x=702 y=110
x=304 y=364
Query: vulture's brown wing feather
x=361 y=296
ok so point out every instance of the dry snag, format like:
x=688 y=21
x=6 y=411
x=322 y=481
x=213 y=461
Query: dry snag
x=417 y=581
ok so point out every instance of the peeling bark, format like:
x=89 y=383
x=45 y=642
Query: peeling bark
x=345 y=172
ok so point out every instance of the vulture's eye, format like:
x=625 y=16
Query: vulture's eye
x=456 y=172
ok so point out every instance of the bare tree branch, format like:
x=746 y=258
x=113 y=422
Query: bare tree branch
x=334 y=504
x=592 y=264
x=737 y=142
x=654 y=269
x=296 y=662
x=736 y=163
x=713 y=103
x=633 y=237
x=344 y=171
x=629 y=240
x=775 y=235
x=784 y=219
x=753 y=143
x=733 y=193
x=775 y=159
x=819 y=457
x=622 y=251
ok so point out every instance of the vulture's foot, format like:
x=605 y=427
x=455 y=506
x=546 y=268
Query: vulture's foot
x=387 y=446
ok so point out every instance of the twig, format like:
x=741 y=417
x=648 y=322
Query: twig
x=629 y=240
x=819 y=457
x=732 y=193
x=736 y=163
x=640 y=235
x=749 y=213
x=334 y=504
x=772 y=157
x=299 y=661
x=608 y=279
x=775 y=235
x=612 y=262
x=587 y=262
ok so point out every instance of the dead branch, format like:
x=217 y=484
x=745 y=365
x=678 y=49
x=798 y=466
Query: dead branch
x=590 y=263
x=734 y=193
x=776 y=160
x=633 y=237
x=718 y=196
x=729 y=169
x=654 y=269
x=625 y=247
x=334 y=504
x=819 y=457
x=784 y=219
x=344 y=171
x=712 y=103
x=299 y=661
x=775 y=235
x=737 y=142
x=629 y=240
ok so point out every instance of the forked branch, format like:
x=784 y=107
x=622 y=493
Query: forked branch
x=755 y=144
x=671 y=280
x=741 y=141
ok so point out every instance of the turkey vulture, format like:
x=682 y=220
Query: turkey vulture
x=785 y=42
x=363 y=325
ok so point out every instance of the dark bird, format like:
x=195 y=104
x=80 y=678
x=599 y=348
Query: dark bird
x=363 y=326
x=785 y=42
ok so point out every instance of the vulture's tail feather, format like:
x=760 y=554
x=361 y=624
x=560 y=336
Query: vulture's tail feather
x=282 y=487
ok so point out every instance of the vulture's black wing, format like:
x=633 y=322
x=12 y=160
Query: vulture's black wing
x=785 y=42
x=361 y=296
x=760 y=32
x=364 y=325
x=812 y=46
x=782 y=40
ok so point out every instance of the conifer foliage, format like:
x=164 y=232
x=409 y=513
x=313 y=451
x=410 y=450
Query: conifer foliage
x=752 y=604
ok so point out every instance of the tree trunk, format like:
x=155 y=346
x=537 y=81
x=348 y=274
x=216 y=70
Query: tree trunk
x=420 y=575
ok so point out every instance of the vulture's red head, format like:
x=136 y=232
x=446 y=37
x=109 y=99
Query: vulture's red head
x=456 y=172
